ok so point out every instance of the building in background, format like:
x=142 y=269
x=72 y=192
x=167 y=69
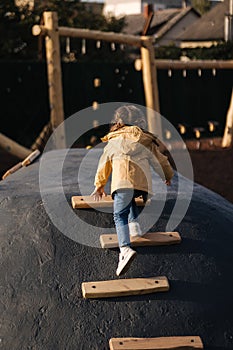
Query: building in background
x=166 y=26
x=129 y=7
x=212 y=28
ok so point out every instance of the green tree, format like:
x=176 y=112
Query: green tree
x=201 y=6
x=74 y=14
x=221 y=51
x=17 y=41
x=9 y=18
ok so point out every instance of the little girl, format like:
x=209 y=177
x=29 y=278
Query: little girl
x=128 y=155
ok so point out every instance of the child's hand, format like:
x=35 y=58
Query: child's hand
x=98 y=193
x=167 y=182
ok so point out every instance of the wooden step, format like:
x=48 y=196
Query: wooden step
x=124 y=287
x=149 y=239
x=30 y=159
x=84 y=202
x=163 y=343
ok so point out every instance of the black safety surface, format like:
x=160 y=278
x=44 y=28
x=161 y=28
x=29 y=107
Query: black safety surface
x=41 y=304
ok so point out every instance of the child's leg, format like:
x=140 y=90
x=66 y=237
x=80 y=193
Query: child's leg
x=122 y=204
x=133 y=212
x=134 y=227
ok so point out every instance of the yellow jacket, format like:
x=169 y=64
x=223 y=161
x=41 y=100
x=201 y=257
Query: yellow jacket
x=128 y=155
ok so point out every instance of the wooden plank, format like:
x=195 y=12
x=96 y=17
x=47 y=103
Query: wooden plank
x=30 y=159
x=84 y=202
x=124 y=287
x=162 y=343
x=12 y=170
x=149 y=239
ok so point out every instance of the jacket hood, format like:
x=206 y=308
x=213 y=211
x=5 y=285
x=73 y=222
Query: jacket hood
x=133 y=133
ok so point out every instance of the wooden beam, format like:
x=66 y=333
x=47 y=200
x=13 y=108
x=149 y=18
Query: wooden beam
x=39 y=30
x=54 y=76
x=13 y=147
x=84 y=202
x=124 y=287
x=134 y=40
x=150 y=83
x=162 y=343
x=228 y=133
x=12 y=170
x=147 y=23
x=121 y=38
x=149 y=239
x=197 y=64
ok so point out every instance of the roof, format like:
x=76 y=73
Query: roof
x=178 y=16
x=208 y=27
x=134 y=23
x=163 y=20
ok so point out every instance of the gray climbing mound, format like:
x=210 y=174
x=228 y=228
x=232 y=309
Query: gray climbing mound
x=42 y=268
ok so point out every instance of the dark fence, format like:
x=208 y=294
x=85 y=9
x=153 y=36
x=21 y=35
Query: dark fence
x=192 y=100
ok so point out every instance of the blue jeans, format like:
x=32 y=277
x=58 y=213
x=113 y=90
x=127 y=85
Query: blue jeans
x=125 y=211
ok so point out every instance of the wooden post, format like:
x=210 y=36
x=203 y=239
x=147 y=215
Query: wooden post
x=149 y=75
x=228 y=133
x=13 y=147
x=54 y=75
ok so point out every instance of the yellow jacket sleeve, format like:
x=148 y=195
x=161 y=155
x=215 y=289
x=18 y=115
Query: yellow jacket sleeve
x=160 y=164
x=103 y=171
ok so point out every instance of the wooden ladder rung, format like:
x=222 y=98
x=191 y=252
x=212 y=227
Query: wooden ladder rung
x=84 y=202
x=162 y=343
x=32 y=156
x=124 y=287
x=149 y=239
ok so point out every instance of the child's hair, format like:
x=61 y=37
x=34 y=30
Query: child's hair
x=128 y=115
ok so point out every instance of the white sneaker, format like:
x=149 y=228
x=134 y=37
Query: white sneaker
x=126 y=257
x=135 y=229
